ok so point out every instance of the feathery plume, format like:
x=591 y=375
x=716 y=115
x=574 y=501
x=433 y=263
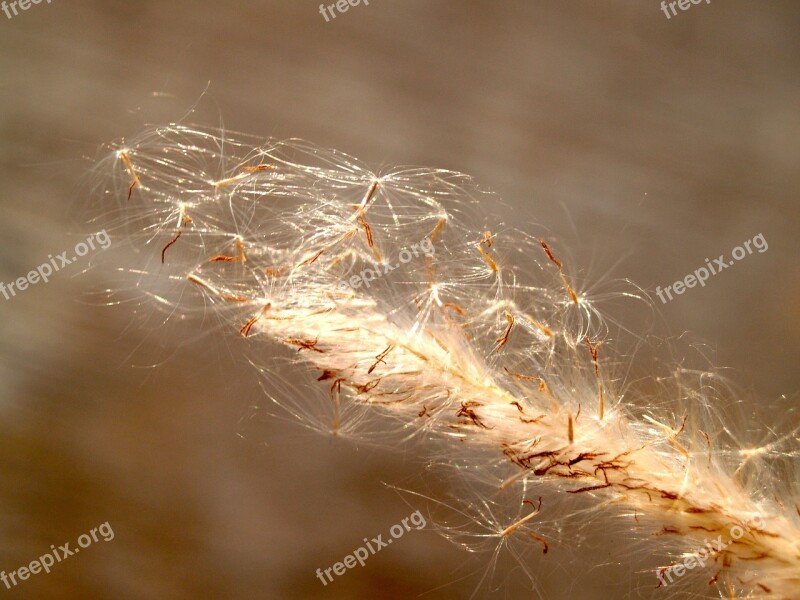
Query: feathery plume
x=412 y=324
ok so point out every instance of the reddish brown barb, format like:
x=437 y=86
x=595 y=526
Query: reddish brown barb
x=304 y=344
x=240 y=255
x=487 y=241
x=555 y=261
x=380 y=358
x=503 y=339
x=245 y=330
x=129 y=166
x=165 y=248
x=602 y=401
x=437 y=229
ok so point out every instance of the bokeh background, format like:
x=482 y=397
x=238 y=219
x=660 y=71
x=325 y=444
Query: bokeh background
x=642 y=144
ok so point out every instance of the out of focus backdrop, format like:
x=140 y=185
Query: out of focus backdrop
x=643 y=144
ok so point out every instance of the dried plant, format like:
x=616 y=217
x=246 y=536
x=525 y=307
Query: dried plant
x=481 y=343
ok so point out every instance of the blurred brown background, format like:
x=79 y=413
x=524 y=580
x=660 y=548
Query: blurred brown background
x=644 y=144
